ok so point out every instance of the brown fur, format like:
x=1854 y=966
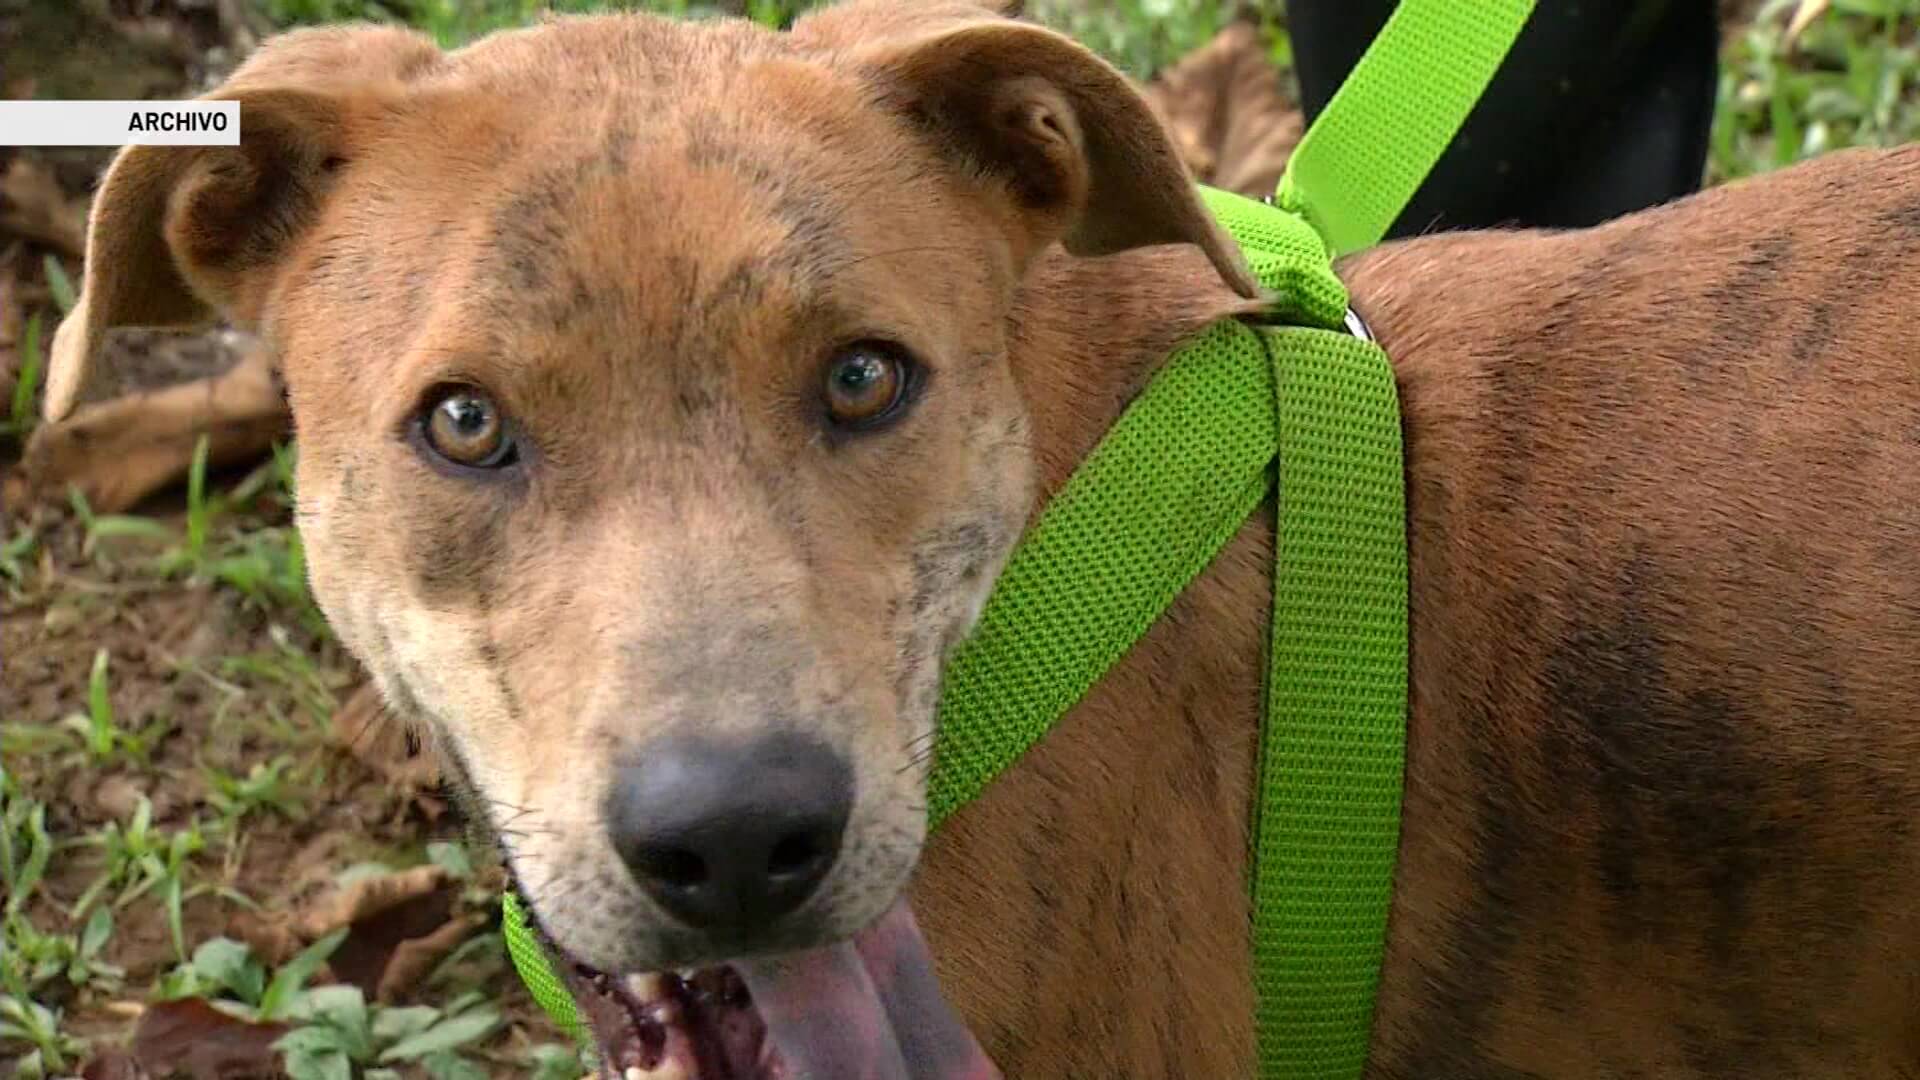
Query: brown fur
x=1665 y=526
x=1664 y=497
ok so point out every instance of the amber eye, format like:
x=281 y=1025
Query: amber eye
x=465 y=427
x=866 y=384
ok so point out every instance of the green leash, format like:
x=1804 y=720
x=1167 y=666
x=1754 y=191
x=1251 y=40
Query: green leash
x=1310 y=408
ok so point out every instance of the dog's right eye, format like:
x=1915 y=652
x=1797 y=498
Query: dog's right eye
x=465 y=427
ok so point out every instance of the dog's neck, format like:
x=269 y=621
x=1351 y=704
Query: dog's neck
x=1122 y=834
x=1088 y=334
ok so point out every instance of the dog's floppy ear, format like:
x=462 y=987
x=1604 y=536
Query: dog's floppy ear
x=1066 y=145
x=178 y=233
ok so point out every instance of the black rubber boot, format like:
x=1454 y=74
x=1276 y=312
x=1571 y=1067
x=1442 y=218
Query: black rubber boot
x=1603 y=107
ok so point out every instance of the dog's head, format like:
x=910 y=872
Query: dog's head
x=658 y=432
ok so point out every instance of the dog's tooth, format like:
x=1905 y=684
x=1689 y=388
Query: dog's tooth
x=647 y=987
x=666 y=1070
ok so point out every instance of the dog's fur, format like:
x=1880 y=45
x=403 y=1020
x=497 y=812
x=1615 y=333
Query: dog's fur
x=1664 y=498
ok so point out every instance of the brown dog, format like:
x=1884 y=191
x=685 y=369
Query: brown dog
x=668 y=396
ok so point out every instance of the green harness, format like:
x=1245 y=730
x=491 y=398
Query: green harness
x=1302 y=409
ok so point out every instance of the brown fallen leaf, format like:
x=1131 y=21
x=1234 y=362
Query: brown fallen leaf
x=33 y=205
x=399 y=927
x=1803 y=16
x=415 y=958
x=121 y=450
x=369 y=897
x=12 y=302
x=1229 y=112
x=192 y=1036
x=114 y=1065
x=12 y=320
x=383 y=913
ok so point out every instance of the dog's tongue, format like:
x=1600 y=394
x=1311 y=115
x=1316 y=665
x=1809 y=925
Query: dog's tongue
x=867 y=1010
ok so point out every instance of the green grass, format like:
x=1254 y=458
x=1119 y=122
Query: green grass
x=336 y=1032
x=20 y=412
x=269 y=787
x=1851 y=78
x=50 y=1052
x=100 y=737
x=264 y=563
x=1140 y=36
x=455 y=22
x=139 y=859
x=31 y=959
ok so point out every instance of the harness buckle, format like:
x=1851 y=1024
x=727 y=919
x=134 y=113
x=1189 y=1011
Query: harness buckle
x=1357 y=326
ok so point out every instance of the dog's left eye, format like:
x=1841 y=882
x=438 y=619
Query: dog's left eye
x=464 y=426
x=867 y=383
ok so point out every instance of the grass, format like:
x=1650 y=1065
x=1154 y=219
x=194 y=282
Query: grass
x=20 y=412
x=228 y=748
x=1851 y=77
x=1140 y=36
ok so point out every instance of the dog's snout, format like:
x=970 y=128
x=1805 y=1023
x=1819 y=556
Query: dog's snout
x=728 y=835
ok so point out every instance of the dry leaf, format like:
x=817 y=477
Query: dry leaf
x=121 y=450
x=34 y=205
x=114 y=1065
x=267 y=935
x=383 y=913
x=414 y=959
x=400 y=926
x=208 y=1044
x=1229 y=112
x=368 y=897
x=12 y=304
x=1803 y=17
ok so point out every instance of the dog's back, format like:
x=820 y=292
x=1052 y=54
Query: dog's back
x=1665 y=748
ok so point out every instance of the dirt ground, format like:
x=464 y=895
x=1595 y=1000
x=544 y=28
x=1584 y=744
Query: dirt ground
x=232 y=785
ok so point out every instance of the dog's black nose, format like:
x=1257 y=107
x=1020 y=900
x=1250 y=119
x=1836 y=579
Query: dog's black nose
x=728 y=835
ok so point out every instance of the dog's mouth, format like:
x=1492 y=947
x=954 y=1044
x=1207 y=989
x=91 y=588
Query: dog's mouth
x=867 y=1009
x=675 y=1027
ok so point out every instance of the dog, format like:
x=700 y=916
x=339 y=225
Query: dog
x=669 y=395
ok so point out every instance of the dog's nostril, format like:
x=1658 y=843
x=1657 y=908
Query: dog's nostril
x=726 y=836
x=795 y=854
x=676 y=867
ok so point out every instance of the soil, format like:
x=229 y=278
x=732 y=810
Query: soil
x=211 y=681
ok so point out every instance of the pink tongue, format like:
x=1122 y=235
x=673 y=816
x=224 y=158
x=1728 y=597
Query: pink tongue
x=868 y=1010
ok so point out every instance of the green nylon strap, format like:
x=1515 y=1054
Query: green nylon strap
x=536 y=970
x=1327 y=819
x=1377 y=139
x=1172 y=480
